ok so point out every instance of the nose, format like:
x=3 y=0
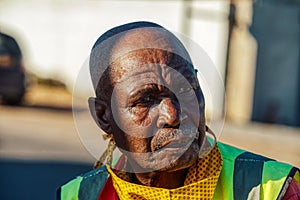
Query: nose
x=169 y=113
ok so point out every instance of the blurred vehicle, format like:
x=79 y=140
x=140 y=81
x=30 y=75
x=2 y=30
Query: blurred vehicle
x=12 y=75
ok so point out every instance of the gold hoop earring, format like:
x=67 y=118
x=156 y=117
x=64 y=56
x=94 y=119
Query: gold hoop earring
x=207 y=145
x=207 y=129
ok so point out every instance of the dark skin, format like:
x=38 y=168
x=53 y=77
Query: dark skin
x=153 y=118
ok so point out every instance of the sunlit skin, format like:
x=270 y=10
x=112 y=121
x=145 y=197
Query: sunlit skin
x=159 y=127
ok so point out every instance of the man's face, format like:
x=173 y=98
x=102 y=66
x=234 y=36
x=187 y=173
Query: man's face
x=157 y=108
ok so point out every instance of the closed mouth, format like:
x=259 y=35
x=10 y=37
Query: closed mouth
x=172 y=138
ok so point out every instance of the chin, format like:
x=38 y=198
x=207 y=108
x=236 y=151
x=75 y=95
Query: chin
x=185 y=161
x=165 y=160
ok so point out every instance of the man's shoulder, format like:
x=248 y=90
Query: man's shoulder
x=237 y=154
x=86 y=185
x=243 y=170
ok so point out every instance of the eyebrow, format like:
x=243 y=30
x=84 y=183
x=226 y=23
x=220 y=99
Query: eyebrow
x=146 y=91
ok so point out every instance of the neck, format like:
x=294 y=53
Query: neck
x=168 y=180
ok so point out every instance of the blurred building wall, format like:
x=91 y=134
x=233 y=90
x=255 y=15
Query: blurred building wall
x=263 y=71
x=276 y=27
x=241 y=64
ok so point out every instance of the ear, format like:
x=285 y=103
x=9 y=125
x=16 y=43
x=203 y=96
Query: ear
x=100 y=113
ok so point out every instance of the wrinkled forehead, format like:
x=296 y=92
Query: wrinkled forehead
x=119 y=46
x=145 y=60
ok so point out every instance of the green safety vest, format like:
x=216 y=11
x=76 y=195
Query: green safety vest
x=244 y=175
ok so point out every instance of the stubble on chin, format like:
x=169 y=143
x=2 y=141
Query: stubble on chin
x=164 y=160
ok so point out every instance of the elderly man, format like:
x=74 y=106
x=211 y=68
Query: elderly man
x=150 y=104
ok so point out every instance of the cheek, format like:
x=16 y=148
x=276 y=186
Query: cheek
x=132 y=131
x=128 y=143
x=131 y=120
x=138 y=145
x=193 y=106
x=140 y=116
x=190 y=109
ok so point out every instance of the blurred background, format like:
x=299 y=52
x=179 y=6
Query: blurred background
x=255 y=46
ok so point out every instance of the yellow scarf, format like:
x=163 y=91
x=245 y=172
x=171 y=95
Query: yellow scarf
x=200 y=182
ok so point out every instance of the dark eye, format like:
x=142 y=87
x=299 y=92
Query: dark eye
x=145 y=102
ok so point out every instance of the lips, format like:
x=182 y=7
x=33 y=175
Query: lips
x=173 y=138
